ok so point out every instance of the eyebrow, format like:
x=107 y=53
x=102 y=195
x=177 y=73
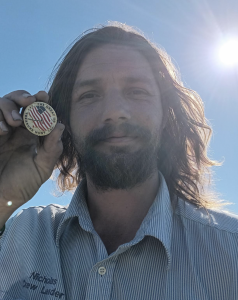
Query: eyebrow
x=97 y=81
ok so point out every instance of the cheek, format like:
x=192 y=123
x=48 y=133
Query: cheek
x=153 y=118
x=82 y=120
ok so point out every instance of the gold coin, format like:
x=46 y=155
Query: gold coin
x=39 y=118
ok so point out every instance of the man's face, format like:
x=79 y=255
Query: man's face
x=116 y=117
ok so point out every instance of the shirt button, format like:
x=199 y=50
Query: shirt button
x=102 y=270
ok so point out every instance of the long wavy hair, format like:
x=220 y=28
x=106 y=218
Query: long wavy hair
x=182 y=157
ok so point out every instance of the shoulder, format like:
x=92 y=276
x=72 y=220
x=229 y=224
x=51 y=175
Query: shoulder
x=51 y=210
x=221 y=220
x=37 y=216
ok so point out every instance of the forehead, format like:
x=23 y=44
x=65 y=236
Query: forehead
x=116 y=60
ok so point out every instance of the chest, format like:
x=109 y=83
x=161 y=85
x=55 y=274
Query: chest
x=114 y=236
x=113 y=241
x=79 y=271
x=80 y=268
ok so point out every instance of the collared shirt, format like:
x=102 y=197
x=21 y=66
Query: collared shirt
x=53 y=252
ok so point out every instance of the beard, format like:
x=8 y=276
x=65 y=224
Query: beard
x=121 y=168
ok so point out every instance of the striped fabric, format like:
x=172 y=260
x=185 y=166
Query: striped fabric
x=53 y=252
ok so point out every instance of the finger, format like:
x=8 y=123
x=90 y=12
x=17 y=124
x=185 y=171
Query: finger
x=50 y=151
x=42 y=96
x=3 y=125
x=21 y=98
x=10 y=112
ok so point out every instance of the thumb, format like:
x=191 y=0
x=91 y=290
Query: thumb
x=50 y=151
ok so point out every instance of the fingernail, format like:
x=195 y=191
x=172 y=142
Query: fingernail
x=3 y=126
x=26 y=95
x=16 y=116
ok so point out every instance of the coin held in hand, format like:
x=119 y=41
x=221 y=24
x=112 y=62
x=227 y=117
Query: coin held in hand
x=39 y=118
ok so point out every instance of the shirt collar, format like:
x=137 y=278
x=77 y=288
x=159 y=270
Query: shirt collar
x=159 y=219
x=157 y=223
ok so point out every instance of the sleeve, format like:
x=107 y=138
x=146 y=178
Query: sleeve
x=6 y=226
x=2 y=230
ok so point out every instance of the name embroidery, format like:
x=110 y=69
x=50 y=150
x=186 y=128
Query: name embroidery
x=46 y=280
x=44 y=290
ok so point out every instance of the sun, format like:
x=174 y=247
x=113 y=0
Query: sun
x=228 y=52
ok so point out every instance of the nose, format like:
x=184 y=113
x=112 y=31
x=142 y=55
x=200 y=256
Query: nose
x=116 y=107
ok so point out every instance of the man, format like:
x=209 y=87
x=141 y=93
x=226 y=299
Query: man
x=134 y=145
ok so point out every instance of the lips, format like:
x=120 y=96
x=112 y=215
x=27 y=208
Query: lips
x=117 y=135
x=119 y=139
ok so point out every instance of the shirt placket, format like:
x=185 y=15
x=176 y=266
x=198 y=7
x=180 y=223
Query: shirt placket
x=100 y=280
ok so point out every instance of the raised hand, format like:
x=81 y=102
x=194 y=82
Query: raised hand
x=24 y=164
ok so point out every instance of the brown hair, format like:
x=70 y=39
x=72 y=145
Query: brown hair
x=182 y=157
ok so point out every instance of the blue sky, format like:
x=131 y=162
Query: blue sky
x=34 y=34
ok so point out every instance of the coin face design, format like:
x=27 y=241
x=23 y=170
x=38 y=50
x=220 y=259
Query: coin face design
x=39 y=118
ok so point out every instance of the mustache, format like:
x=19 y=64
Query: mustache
x=127 y=129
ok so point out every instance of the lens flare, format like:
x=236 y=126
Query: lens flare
x=228 y=52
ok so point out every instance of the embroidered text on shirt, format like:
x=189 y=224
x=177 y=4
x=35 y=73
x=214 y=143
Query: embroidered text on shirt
x=38 y=277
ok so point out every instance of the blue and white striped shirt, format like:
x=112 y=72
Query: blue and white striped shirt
x=53 y=252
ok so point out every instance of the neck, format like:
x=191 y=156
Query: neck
x=119 y=213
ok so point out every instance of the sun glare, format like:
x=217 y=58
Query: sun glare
x=228 y=52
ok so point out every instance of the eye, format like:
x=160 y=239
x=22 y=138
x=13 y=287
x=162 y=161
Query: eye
x=138 y=93
x=90 y=95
